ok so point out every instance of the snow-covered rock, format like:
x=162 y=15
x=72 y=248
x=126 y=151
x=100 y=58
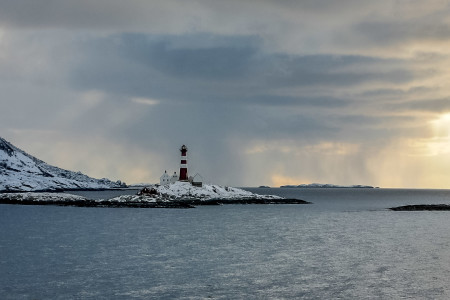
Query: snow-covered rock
x=63 y=199
x=41 y=197
x=20 y=171
x=185 y=191
x=66 y=197
x=177 y=195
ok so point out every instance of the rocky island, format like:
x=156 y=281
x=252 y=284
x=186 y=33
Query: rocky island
x=176 y=195
x=422 y=207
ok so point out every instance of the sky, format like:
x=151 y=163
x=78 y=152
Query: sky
x=262 y=92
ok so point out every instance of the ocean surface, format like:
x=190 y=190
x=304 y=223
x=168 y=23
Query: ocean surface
x=346 y=245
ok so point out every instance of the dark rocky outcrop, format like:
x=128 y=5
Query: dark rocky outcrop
x=11 y=198
x=422 y=207
x=140 y=202
x=146 y=191
x=245 y=201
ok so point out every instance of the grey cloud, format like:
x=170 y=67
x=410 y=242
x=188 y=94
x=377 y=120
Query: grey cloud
x=213 y=62
x=394 y=31
x=335 y=25
x=374 y=129
x=392 y=92
x=425 y=105
x=376 y=121
x=398 y=32
x=321 y=6
x=106 y=14
x=207 y=105
x=71 y=14
x=213 y=122
x=162 y=67
x=274 y=100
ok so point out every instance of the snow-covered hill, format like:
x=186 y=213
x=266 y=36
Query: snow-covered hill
x=20 y=171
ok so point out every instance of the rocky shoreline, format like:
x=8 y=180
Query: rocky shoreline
x=61 y=199
x=62 y=190
x=422 y=207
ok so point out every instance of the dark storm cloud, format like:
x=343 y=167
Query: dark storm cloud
x=168 y=67
x=219 y=62
x=207 y=122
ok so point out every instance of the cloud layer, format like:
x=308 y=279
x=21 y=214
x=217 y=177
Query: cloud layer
x=267 y=92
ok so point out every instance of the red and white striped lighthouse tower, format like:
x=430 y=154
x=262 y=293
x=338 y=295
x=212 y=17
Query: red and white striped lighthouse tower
x=183 y=165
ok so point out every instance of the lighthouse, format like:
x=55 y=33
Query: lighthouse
x=183 y=165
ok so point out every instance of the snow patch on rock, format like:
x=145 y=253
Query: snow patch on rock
x=44 y=197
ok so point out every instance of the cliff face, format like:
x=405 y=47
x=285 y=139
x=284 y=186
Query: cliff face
x=20 y=171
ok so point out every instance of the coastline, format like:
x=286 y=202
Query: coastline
x=133 y=201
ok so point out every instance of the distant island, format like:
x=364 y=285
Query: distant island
x=422 y=207
x=327 y=185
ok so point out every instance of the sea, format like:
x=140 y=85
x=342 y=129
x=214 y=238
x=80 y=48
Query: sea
x=345 y=245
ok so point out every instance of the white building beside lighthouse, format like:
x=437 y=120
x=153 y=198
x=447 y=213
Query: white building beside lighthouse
x=164 y=179
x=174 y=178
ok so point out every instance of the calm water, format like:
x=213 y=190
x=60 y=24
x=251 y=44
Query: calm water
x=344 y=246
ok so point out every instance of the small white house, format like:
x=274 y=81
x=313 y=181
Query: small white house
x=164 y=179
x=174 y=178
x=196 y=180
